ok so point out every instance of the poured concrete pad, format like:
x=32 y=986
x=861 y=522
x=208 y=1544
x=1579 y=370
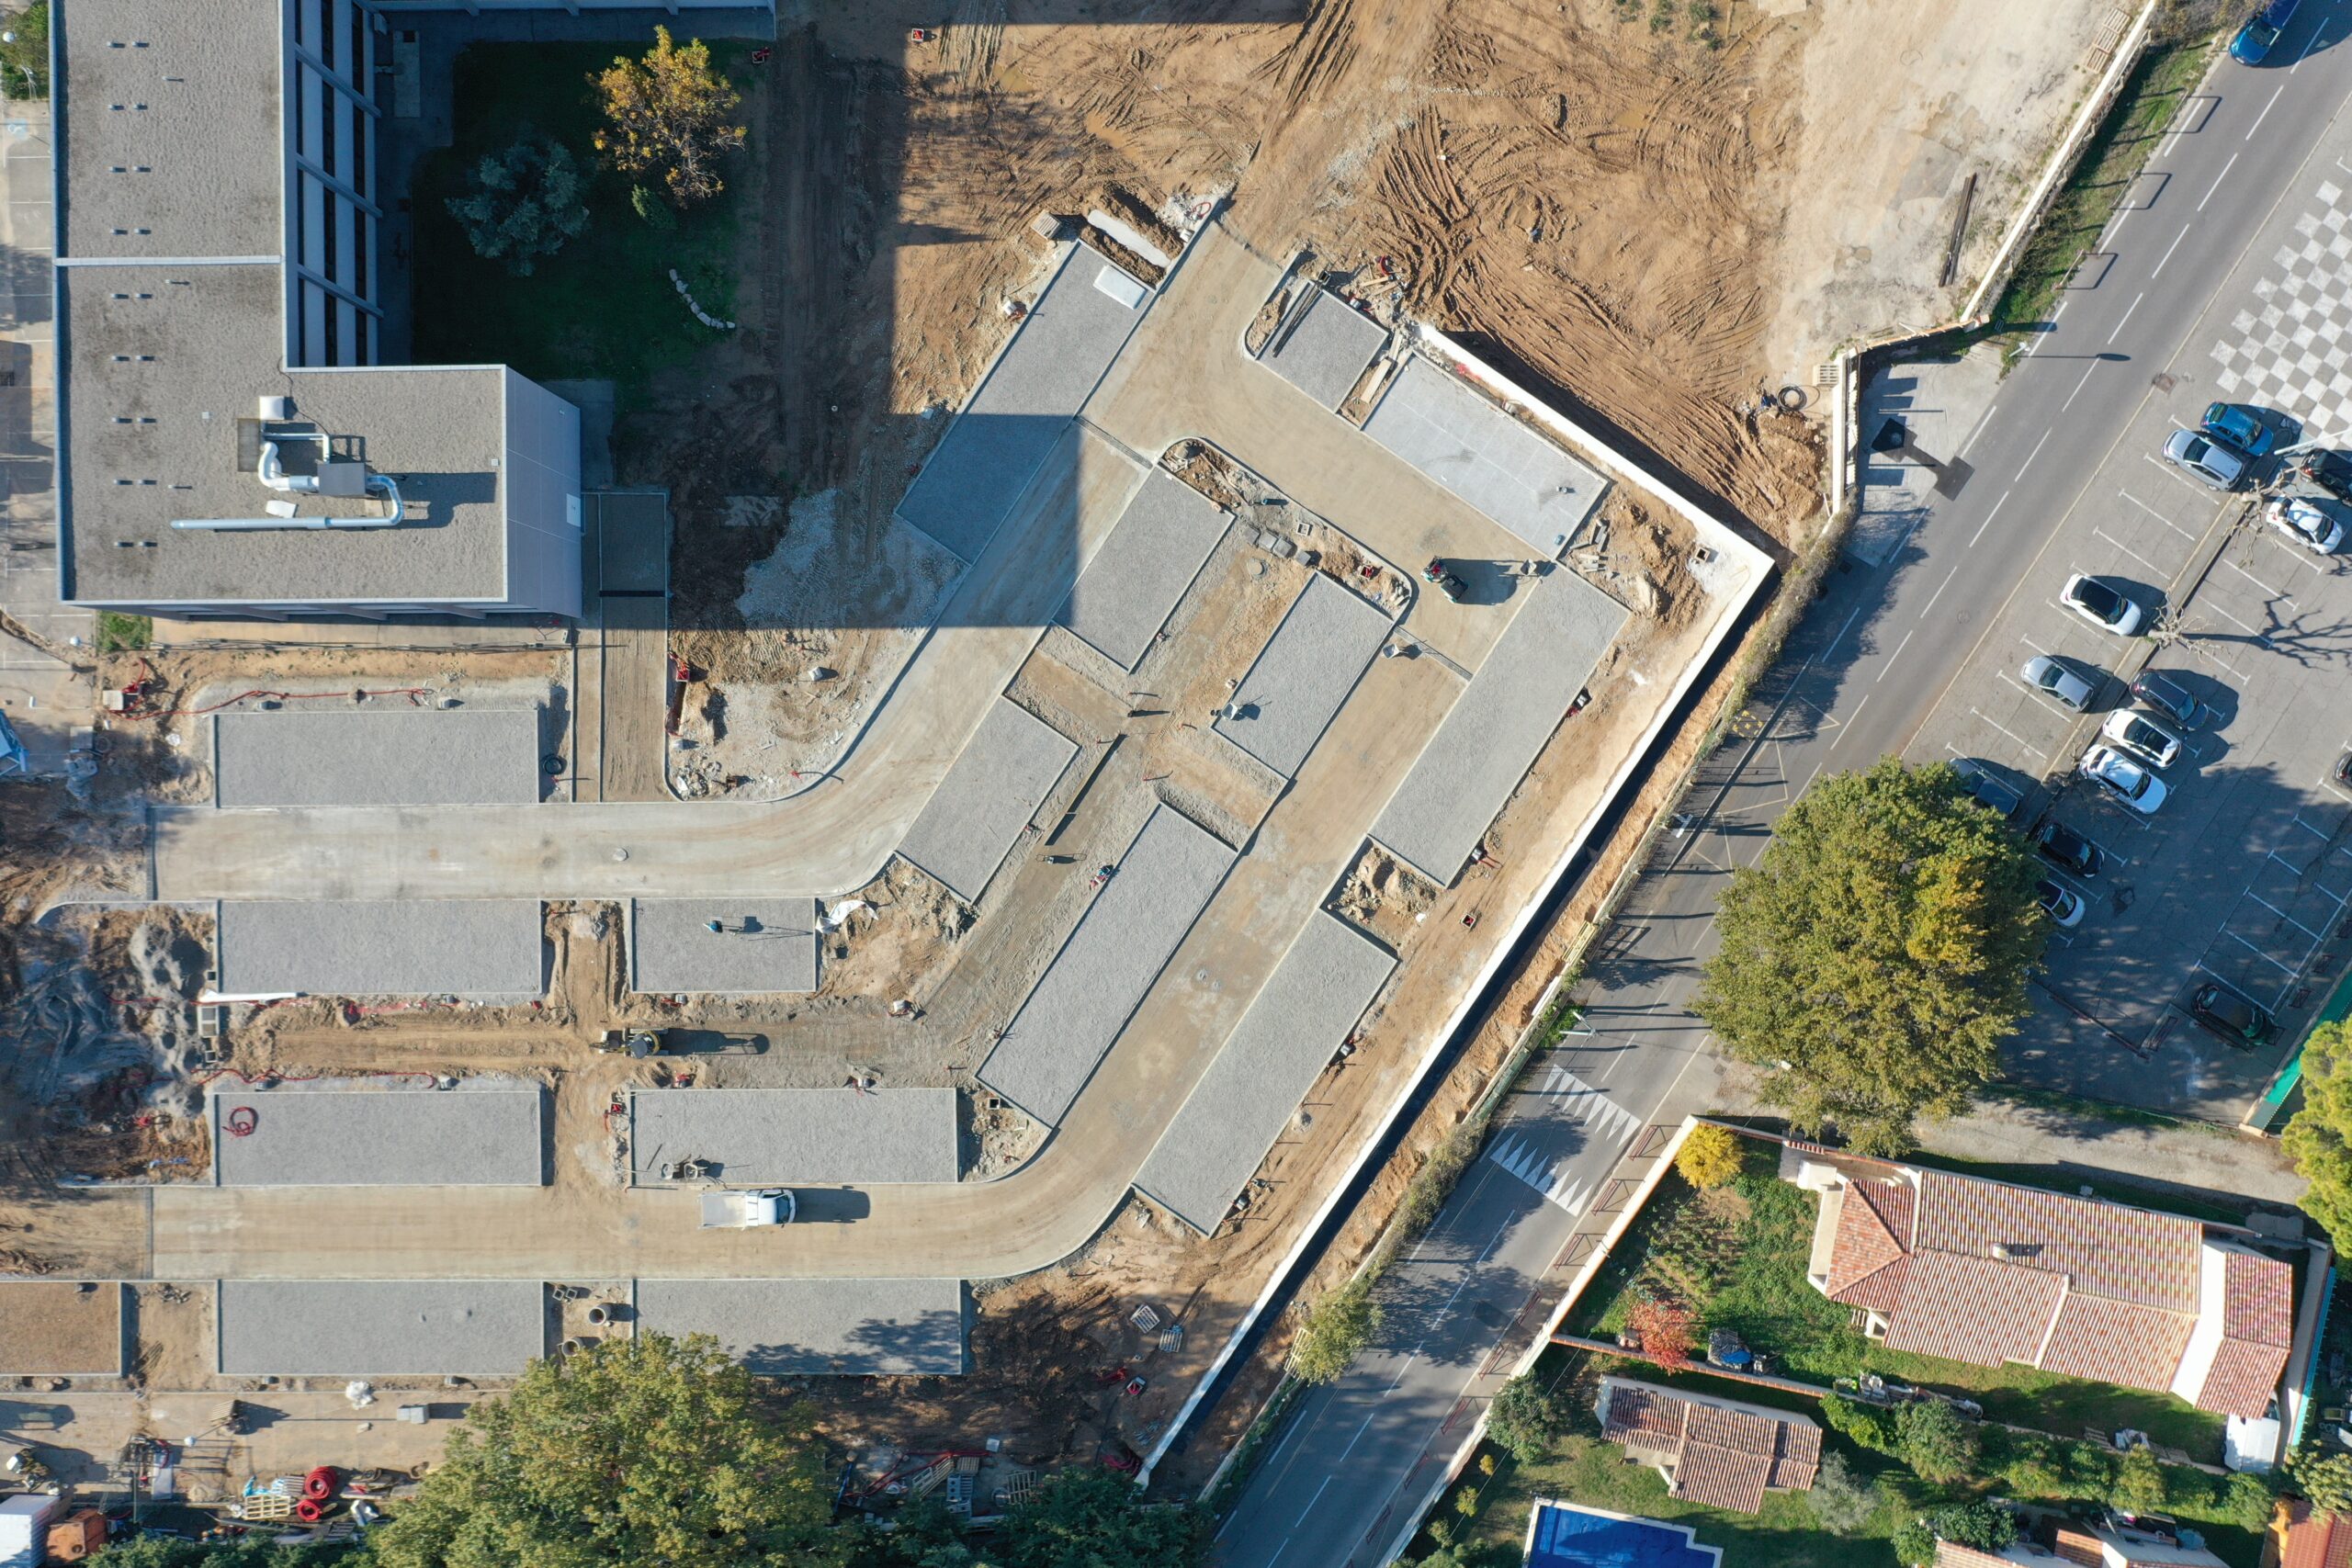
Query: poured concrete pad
x=1249 y=1093
x=388 y=757
x=784 y=1327
x=347 y=1328
x=763 y=945
x=420 y=1136
x=988 y=797
x=1304 y=672
x=1327 y=352
x=1131 y=586
x=463 y=947
x=61 y=1328
x=1030 y=395
x=762 y=1136
x=1489 y=738
x=1110 y=961
x=1440 y=425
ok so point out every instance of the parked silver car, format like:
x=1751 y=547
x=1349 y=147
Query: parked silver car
x=2048 y=676
x=2205 y=459
x=2142 y=737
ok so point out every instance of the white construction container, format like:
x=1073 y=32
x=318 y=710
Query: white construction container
x=24 y=1529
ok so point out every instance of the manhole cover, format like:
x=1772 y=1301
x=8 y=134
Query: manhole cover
x=2164 y=381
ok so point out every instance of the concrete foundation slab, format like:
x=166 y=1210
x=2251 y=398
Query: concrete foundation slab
x=1490 y=736
x=991 y=790
x=480 y=1133
x=344 y=1328
x=759 y=1138
x=1234 y=1115
x=763 y=945
x=1326 y=352
x=1037 y=384
x=1507 y=470
x=462 y=947
x=1132 y=585
x=393 y=757
x=1102 y=973
x=61 y=1328
x=1303 y=673
x=785 y=1327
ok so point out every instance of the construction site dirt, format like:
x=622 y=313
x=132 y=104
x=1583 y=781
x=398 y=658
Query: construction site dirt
x=1653 y=229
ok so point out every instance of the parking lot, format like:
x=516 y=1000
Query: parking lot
x=2242 y=874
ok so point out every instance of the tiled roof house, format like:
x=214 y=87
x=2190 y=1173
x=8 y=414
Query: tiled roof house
x=1716 y=1452
x=1983 y=1272
x=2303 y=1537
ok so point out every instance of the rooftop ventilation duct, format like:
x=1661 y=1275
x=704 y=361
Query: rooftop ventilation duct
x=333 y=476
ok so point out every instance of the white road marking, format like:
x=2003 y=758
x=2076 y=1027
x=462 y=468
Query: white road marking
x=2156 y=515
x=1901 y=646
x=1990 y=515
x=2003 y=729
x=2127 y=549
x=1844 y=732
x=2217 y=181
x=1940 y=589
x=2274 y=593
x=2169 y=249
x=2038 y=445
x=1317 y=1498
x=2119 y=329
x=2080 y=385
x=2282 y=914
x=2265 y=109
x=2233 y=620
x=2255 y=951
x=1981 y=421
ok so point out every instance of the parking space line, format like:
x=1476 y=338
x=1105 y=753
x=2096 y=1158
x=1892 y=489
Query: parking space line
x=2157 y=515
x=2174 y=475
x=2274 y=593
x=2191 y=643
x=2003 y=729
x=2283 y=915
x=2236 y=622
x=2255 y=951
x=2297 y=820
x=2127 y=549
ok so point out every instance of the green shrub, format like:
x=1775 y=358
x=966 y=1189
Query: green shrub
x=1841 y=1501
x=119 y=633
x=1334 y=1331
x=1931 y=1438
x=1985 y=1525
x=523 y=204
x=2139 y=1484
x=2248 y=1499
x=24 y=59
x=1867 y=1425
x=1527 y=1417
x=655 y=211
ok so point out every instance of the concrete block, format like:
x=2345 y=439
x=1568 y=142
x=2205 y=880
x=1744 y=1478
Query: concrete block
x=1129 y=589
x=360 y=1328
x=761 y=1137
x=763 y=945
x=384 y=757
x=990 y=791
x=1508 y=470
x=480 y=1133
x=464 y=947
x=1304 y=674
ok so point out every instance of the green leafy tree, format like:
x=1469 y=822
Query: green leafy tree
x=2324 y=1478
x=24 y=54
x=1710 y=1155
x=1527 y=1417
x=1934 y=1442
x=1334 y=1332
x=1868 y=1425
x=1880 y=950
x=523 y=204
x=2033 y=1467
x=2139 y=1484
x=1841 y=1501
x=2248 y=1499
x=1984 y=1526
x=1095 y=1518
x=923 y=1533
x=2319 y=1139
x=667 y=114
x=157 y=1551
x=647 y=1451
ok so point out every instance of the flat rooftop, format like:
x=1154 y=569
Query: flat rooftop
x=1132 y=586
x=1490 y=736
x=1304 y=674
x=1324 y=350
x=460 y=947
x=482 y=1134
x=61 y=1329
x=785 y=1327
x=1109 y=963
x=377 y=757
x=759 y=1138
x=1043 y=376
x=1301 y=1016
x=763 y=945
x=164 y=366
x=1438 y=424
x=991 y=790
x=346 y=1329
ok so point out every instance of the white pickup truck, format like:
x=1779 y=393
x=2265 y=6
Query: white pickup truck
x=741 y=1209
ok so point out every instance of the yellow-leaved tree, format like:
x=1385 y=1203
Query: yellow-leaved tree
x=669 y=115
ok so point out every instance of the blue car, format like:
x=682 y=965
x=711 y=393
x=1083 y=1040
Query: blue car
x=2241 y=427
x=2253 y=44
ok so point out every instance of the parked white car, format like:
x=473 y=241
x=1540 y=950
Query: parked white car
x=2126 y=780
x=2142 y=737
x=2101 y=604
x=2300 y=518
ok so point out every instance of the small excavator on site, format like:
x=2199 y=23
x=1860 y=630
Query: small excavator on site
x=1447 y=580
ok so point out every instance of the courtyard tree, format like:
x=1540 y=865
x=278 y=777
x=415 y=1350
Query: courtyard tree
x=669 y=117
x=651 y=1450
x=1333 y=1331
x=1096 y=1518
x=1709 y=1156
x=1527 y=1417
x=1663 y=1329
x=2319 y=1139
x=2325 y=1479
x=1934 y=1442
x=1878 y=954
x=523 y=204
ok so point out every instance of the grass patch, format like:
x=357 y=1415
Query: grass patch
x=2169 y=70
x=1737 y=1255
x=604 y=305
x=119 y=633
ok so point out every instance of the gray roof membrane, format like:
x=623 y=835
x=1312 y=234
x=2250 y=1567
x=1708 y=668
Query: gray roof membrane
x=1326 y=352
x=760 y=1138
x=381 y=756
x=763 y=945
x=1129 y=589
x=1234 y=1115
x=463 y=947
x=1304 y=674
x=1103 y=970
x=992 y=450
x=1490 y=737
x=355 y=1329
x=1442 y=425
x=477 y=1134
x=988 y=797
x=784 y=1327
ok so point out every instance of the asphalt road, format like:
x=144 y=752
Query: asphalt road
x=1339 y=1485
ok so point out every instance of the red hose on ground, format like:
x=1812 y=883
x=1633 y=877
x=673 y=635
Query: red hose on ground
x=241 y=1121
x=322 y=1483
x=308 y=1511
